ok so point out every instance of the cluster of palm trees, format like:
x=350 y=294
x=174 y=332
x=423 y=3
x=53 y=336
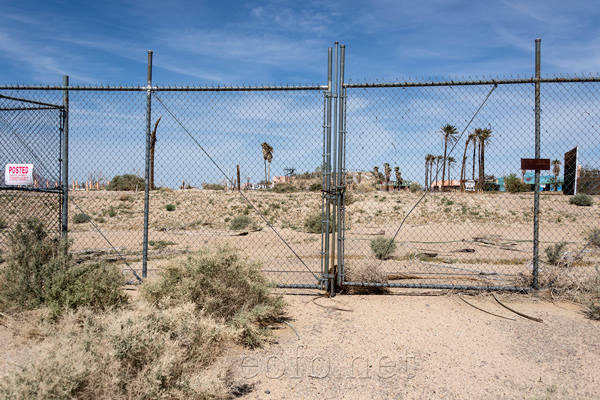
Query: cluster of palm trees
x=387 y=174
x=430 y=160
x=479 y=138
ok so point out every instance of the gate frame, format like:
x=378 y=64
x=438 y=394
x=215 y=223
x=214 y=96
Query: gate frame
x=63 y=189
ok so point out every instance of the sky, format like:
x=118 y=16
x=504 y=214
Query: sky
x=198 y=42
x=216 y=43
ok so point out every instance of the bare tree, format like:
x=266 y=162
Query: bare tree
x=152 y=148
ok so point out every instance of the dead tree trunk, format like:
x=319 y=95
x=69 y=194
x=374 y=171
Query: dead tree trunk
x=152 y=147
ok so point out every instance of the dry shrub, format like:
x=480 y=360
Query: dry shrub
x=165 y=348
x=224 y=285
x=365 y=187
x=124 y=197
x=40 y=273
x=135 y=354
x=366 y=273
x=567 y=283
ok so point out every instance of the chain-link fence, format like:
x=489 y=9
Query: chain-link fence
x=437 y=167
x=30 y=134
x=433 y=192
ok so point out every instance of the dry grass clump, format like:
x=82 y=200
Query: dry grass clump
x=366 y=273
x=564 y=282
x=224 y=285
x=163 y=346
x=144 y=353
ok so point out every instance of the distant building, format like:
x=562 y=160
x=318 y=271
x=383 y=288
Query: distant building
x=281 y=179
x=448 y=185
x=546 y=182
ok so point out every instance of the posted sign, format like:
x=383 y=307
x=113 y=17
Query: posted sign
x=18 y=174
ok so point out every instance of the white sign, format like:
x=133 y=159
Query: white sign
x=470 y=186
x=18 y=174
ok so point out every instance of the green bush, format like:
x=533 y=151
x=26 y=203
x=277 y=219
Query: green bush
x=315 y=187
x=170 y=207
x=513 y=184
x=582 y=199
x=81 y=218
x=240 y=222
x=383 y=247
x=415 y=187
x=313 y=224
x=40 y=273
x=222 y=284
x=594 y=237
x=212 y=186
x=126 y=182
x=555 y=253
x=284 y=188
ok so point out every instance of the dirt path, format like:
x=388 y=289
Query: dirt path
x=402 y=346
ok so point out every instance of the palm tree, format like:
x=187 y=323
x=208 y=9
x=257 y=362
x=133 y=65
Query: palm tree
x=376 y=174
x=269 y=159
x=449 y=133
x=450 y=161
x=437 y=170
x=556 y=170
x=398 y=177
x=429 y=158
x=476 y=135
x=267 y=156
x=463 y=171
x=523 y=172
x=484 y=138
x=388 y=172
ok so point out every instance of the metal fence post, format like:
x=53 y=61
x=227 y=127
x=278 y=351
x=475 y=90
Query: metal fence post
x=147 y=169
x=326 y=172
x=65 y=159
x=536 y=198
x=332 y=267
x=341 y=172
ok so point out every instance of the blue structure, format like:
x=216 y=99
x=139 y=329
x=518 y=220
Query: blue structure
x=546 y=182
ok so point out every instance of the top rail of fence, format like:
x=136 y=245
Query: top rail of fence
x=250 y=88
x=266 y=88
x=473 y=82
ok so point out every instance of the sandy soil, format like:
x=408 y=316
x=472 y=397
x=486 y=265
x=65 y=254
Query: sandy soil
x=395 y=346
x=403 y=346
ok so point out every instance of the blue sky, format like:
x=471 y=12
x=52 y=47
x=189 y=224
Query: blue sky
x=285 y=42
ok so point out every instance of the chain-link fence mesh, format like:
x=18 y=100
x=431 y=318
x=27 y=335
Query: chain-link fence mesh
x=30 y=133
x=454 y=178
x=476 y=231
x=202 y=137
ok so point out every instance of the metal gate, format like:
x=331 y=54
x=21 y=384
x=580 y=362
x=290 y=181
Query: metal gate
x=427 y=190
x=31 y=132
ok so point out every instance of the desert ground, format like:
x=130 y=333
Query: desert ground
x=455 y=238
x=406 y=344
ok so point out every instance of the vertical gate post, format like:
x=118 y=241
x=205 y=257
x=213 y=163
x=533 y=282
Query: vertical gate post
x=341 y=175
x=326 y=172
x=333 y=192
x=64 y=220
x=147 y=169
x=536 y=198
